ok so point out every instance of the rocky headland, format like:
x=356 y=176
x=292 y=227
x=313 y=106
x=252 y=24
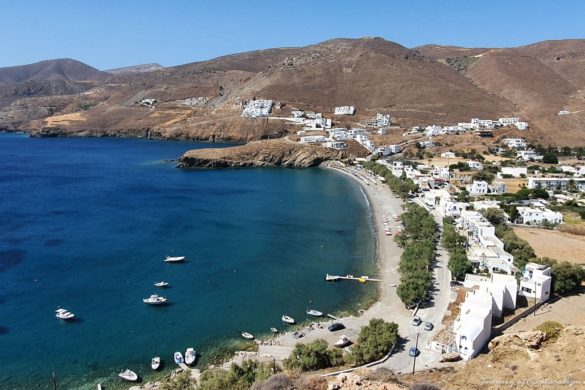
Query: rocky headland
x=266 y=153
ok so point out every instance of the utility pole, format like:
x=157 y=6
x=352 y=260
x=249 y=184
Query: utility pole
x=415 y=353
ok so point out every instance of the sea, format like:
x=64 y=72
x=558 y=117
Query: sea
x=85 y=224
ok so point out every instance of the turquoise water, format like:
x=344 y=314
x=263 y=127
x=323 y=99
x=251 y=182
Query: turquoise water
x=85 y=224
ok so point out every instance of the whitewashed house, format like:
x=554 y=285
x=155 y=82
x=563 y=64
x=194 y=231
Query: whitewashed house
x=441 y=173
x=313 y=139
x=516 y=143
x=513 y=171
x=508 y=121
x=538 y=216
x=472 y=327
x=528 y=155
x=452 y=130
x=448 y=155
x=433 y=130
x=258 y=108
x=336 y=145
x=475 y=165
x=339 y=134
x=521 y=125
x=345 y=110
x=557 y=183
x=502 y=288
x=536 y=282
x=564 y=112
x=478 y=187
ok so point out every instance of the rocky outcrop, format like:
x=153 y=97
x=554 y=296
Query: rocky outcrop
x=280 y=152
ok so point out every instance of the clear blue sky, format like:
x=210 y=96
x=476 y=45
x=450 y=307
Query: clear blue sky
x=107 y=34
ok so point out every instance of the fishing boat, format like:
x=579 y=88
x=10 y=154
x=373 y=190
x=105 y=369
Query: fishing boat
x=314 y=313
x=288 y=320
x=155 y=363
x=178 y=358
x=128 y=375
x=343 y=341
x=190 y=356
x=247 y=336
x=155 y=300
x=63 y=314
x=174 y=259
x=274 y=330
x=161 y=284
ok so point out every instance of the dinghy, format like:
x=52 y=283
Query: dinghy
x=155 y=363
x=247 y=336
x=190 y=356
x=178 y=357
x=288 y=320
x=314 y=313
x=175 y=259
x=128 y=375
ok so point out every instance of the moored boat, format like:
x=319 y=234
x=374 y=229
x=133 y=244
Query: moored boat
x=274 y=330
x=174 y=259
x=288 y=320
x=247 y=336
x=314 y=313
x=155 y=363
x=63 y=314
x=190 y=356
x=178 y=356
x=155 y=299
x=128 y=375
x=162 y=283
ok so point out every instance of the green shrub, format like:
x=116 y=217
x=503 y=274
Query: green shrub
x=181 y=381
x=551 y=329
x=313 y=356
x=237 y=377
x=374 y=341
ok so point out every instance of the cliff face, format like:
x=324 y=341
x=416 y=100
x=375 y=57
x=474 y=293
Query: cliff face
x=266 y=153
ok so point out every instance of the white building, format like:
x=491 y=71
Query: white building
x=433 y=130
x=517 y=143
x=380 y=120
x=483 y=123
x=452 y=130
x=297 y=113
x=498 y=187
x=521 y=125
x=472 y=327
x=569 y=169
x=477 y=187
x=528 y=155
x=312 y=139
x=508 y=121
x=441 y=173
x=513 y=171
x=537 y=216
x=564 y=112
x=336 y=145
x=345 y=110
x=557 y=183
x=502 y=288
x=147 y=102
x=468 y=125
x=485 y=204
x=536 y=282
x=475 y=165
x=485 y=251
x=257 y=108
x=448 y=155
x=366 y=142
x=388 y=150
x=339 y=134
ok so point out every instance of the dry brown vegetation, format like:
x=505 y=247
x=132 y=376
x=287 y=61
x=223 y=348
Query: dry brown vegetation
x=554 y=244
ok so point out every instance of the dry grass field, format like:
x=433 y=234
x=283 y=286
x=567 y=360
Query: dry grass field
x=554 y=244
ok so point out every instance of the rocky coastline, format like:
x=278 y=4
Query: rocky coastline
x=266 y=153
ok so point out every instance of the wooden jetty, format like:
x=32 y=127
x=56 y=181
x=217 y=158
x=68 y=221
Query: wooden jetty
x=361 y=279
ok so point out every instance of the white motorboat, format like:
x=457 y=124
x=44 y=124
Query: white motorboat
x=63 y=314
x=162 y=283
x=174 y=259
x=155 y=300
x=248 y=336
x=155 y=363
x=178 y=357
x=99 y=386
x=343 y=341
x=288 y=320
x=190 y=356
x=128 y=375
x=274 y=330
x=314 y=313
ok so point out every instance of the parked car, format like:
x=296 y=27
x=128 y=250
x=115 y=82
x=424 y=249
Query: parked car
x=336 y=326
x=413 y=352
x=429 y=326
x=416 y=321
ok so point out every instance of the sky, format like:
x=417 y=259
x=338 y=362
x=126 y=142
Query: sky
x=109 y=34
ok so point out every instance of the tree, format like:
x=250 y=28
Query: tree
x=236 y=378
x=374 y=341
x=313 y=356
x=484 y=176
x=459 y=264
x=566 y=277
x=495 y=216
x=550 y=158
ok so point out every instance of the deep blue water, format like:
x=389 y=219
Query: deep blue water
x=85 y=224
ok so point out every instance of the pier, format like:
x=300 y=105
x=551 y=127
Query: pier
x=361 y=279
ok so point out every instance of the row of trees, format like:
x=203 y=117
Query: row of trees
x=455 y=243
x=400 y=186
x=566 y=278
x=418 y=241
x=374 y=342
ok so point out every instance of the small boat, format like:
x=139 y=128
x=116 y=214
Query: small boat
x=288 y=320
x=155 y=300
x=314 y=313
x=274 y=330
x=128 y=375
x=247 y=336
x=343 y=341
x=178 y=357
x=63 y=314
x=175 y=259
x=162 y=283
x=331 y=278
x=155 y=363
x=99 y=386
x=190 y=356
